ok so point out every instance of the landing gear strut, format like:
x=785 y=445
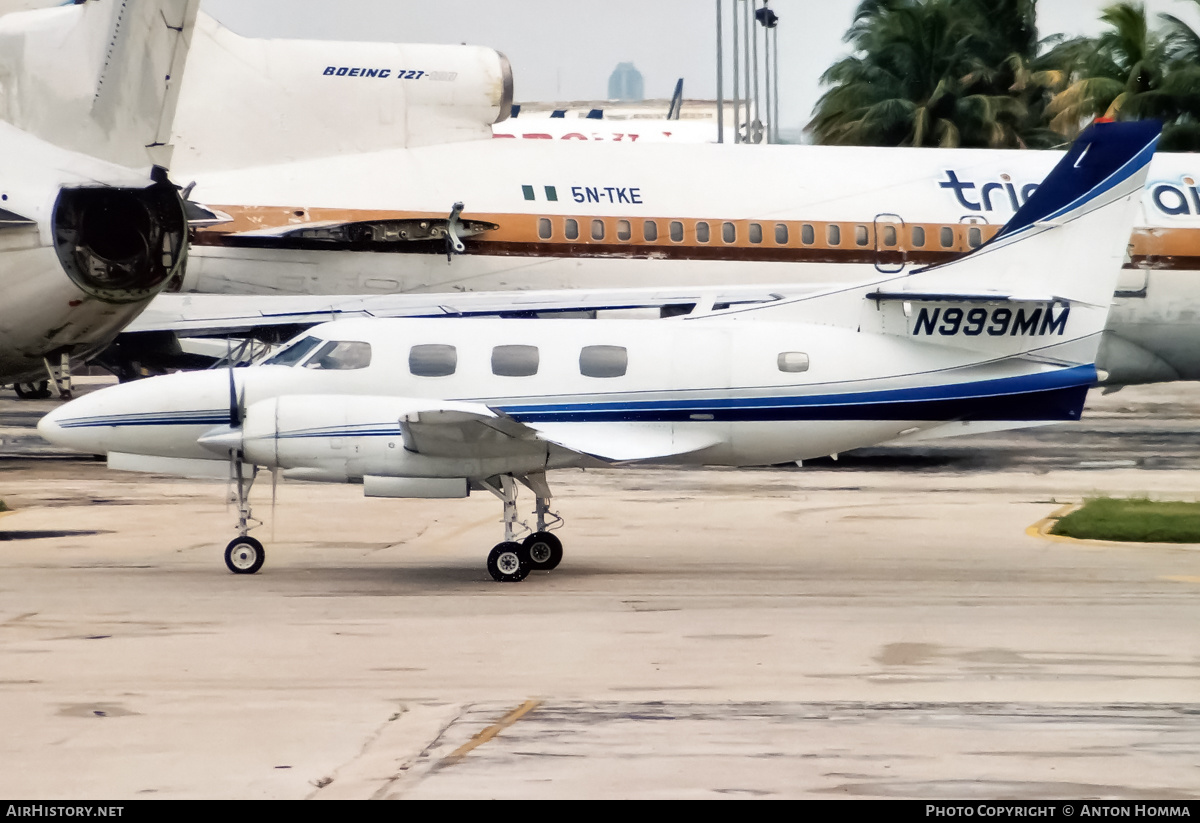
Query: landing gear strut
x=510 y=561
x=60 y=374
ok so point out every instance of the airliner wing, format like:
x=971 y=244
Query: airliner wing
x=214 y=314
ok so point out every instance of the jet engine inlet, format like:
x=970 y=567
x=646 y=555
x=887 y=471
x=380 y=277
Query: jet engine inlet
x=120 y=245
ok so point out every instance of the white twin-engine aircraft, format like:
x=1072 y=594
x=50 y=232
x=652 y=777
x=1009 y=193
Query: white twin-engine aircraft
x=1001 y=338
x=90 y=229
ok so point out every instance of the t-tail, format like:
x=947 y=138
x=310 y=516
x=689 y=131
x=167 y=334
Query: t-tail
x=1039 y=290
x=115 y=98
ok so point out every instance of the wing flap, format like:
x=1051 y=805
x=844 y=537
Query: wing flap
x=628 y=443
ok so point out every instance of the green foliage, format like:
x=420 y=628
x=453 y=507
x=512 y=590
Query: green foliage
x=937 y=73
x=974 y=74
x=1138 y=520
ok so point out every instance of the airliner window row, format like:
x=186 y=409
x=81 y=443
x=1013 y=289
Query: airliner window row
x=889 y=236
x=441 y=360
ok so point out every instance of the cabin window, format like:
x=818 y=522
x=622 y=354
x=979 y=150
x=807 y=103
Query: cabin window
x=572 y=229
x=515 y=361
x=974 y=237
x=650 y=231
x=701 y=232
x=947 y=237
x=918 y=236
x=808 y=235
x=603 y=361
x=292 y=354
x=624 y=232
x=729 y=232
x=341 y=355
x=889 y=235
x=755 y=233
x=432 y=360
x=597 y=229
x=860 y=235
x=781 y=234
x=676 y=231
x=544 y=230
x=833 y=234
x=793 y=361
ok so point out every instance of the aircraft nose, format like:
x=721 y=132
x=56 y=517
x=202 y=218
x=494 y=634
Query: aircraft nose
x=63 y=427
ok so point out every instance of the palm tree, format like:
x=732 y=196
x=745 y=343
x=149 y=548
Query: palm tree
x=1132 y=72
x=937 y=72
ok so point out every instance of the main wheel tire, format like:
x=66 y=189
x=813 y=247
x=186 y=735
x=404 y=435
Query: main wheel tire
x=545 y=551
x=508 y=563
x=244 y=555
x=32 y=391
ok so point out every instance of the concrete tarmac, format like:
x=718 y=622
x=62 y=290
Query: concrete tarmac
x=882 y=626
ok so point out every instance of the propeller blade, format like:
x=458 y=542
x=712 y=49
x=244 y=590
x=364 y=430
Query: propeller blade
x=235 y=410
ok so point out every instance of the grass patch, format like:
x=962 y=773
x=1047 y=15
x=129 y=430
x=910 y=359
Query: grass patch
x=3 y=508
x=1136 y=520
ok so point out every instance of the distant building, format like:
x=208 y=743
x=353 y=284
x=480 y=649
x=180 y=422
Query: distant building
x=625 y=83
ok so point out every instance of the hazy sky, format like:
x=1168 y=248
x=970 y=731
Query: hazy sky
x=566 y=50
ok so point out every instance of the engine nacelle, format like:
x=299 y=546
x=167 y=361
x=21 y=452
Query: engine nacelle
x=271 y=101
x=120 y=245
x=349 y=438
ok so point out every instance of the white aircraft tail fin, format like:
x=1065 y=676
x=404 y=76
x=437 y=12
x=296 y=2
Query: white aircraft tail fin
x=114 y=98
x=1043 y=284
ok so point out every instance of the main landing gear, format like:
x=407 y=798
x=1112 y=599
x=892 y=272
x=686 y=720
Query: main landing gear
x=510 y=561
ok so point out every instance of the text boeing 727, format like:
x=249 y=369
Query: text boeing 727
x=1004 y=337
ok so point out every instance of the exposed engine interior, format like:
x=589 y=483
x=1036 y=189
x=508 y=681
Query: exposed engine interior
x=120 y=245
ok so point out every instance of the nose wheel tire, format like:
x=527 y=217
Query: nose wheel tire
x=545 y=551
x=508 y=563
x=244 y=555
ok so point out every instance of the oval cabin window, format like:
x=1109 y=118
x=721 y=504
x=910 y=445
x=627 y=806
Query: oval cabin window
x=603 y=361
x=793 y=362
x=432 y=360
x=515 y=361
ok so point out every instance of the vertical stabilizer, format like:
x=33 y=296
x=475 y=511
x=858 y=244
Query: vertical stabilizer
x=99 y=77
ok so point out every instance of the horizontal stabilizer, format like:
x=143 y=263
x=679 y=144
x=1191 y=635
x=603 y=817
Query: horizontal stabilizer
x=951 y=297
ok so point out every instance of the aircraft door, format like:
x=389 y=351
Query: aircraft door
x=890 y=254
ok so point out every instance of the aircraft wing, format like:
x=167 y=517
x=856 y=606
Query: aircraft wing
x=472 y=429
x=213 y=314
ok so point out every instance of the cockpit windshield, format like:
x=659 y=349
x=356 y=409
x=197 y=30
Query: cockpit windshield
x=341 y=355
x=292 y=354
